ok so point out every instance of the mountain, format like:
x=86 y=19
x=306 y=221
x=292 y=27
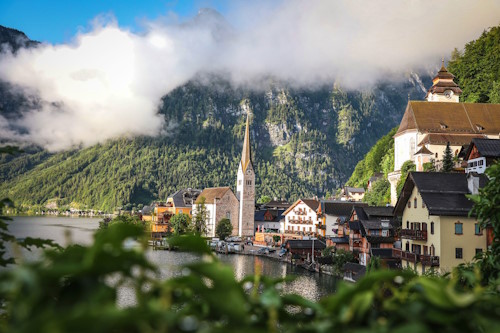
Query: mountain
x=305 y=143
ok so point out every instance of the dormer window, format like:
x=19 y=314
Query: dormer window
x=443 y=125
x=479 y=127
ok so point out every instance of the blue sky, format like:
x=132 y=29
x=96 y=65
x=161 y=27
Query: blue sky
x=57 y=21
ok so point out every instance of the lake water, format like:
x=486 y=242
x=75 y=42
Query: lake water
x=66 y=230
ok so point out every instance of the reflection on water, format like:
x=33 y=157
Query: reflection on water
x=80 y=230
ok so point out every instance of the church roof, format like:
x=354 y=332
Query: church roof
x=246 y=157
x=212 y=193
x=453 y=139
x=444 y=81
x=454 y=118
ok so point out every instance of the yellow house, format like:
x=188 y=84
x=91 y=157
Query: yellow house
x=436 y=232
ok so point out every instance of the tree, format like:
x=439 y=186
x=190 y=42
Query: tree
x=224 y=228
x=264 y=199
x=180 y=223
x=447 y=159
x=430 y=166
x=405 y=170
x=380 y=193
x=487 y=209
x=200 y=218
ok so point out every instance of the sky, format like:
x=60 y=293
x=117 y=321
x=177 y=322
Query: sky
x=57 y=21
x=103 y=66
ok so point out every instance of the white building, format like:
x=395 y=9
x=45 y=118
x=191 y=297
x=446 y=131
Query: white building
x=302 y=217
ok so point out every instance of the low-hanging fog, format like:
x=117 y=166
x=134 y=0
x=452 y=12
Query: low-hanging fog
x=108 y=82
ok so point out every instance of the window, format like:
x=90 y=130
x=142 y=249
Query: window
x=415 y=203
x=477 y=229
x=409 y=203
x=407 y=247
x=458 y=253
x=432 y=228
x=385 y=233
x=239 y=182
x=423 y=204
x=407 y=224
x=249 y=182
x=478 y=251
x=228 y=215
x=458 y=228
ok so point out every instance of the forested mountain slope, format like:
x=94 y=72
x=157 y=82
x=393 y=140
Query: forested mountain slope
x=305 y=143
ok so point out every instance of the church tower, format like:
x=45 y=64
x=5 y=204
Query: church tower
x=245 y=188
x=443 y=89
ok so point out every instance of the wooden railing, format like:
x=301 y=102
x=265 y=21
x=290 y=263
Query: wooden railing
x=414 y=234
x=425 y=260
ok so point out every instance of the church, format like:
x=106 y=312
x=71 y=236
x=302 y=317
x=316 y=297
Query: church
x=427 y=126
x=239 y=208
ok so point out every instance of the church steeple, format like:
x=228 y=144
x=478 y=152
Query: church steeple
x=443 y=89
x=245 y=187
x=246 y=157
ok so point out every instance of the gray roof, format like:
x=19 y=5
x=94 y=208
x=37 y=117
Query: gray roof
x=306 y=244
x=374 y=224
x=486 y=147
x=185 y=197
x=339 y=208
x=355 y=189
x=340 y=240
x=444 y=194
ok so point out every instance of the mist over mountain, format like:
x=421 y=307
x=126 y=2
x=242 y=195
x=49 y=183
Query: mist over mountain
x=168 y=115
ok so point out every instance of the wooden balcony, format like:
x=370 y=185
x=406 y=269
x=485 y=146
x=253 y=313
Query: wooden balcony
x=403 y=255
x=425 y=260
x=431 y=261
x=414 y=234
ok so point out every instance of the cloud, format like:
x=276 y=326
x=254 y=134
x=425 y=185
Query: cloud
x=108 y=82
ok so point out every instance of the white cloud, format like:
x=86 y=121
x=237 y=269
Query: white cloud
x=108 y=82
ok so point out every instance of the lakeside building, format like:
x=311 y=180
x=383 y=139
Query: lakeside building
x=333 y=213
x=427 y=126
x=220 y=203
x=349 y=193
x=437 y=231
x=270 y=220
x=372 y=232
x=302 y=217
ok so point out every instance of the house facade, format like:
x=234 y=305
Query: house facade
x=220 y=202
x=481 y=153
x=302 y=217
x=436 y=231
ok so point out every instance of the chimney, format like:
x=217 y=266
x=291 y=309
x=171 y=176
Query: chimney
x=473 y=182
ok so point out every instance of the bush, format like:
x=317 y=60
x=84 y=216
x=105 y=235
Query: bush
x=224 y=228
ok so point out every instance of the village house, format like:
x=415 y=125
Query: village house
x=437 y=232
x=179 y=202
x=220 y=202
x=428 y=126
x=352 y=193
x=270 y=220
x=333 y=212
x=481 y=153
x=372 y=232
x=302 y=217
x=304 y=249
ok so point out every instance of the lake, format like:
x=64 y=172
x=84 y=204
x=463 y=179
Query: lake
x=67 y=230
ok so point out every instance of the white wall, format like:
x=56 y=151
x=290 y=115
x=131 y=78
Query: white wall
x=291 y=216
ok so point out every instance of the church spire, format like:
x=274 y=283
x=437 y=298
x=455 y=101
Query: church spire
x=246 y=157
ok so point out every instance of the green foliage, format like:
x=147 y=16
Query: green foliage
x=264 y=199
x=447 y=159
x=76 y=290
x=487 y=209
x=380 y=158
x=380 y=193
x=224 y=228
x=477 y=68
x=405 y=170
x=430 y=166
x=200 y=217
x=340 y=258
x=180 y=223
x=373 y=265
x=123 y=219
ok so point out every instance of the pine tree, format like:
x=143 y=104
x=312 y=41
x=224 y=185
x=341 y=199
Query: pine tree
x=447 y=159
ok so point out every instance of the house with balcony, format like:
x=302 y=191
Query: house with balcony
x=302 y=218
x=481 y=153
x=372 y=232
x=437 y=232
